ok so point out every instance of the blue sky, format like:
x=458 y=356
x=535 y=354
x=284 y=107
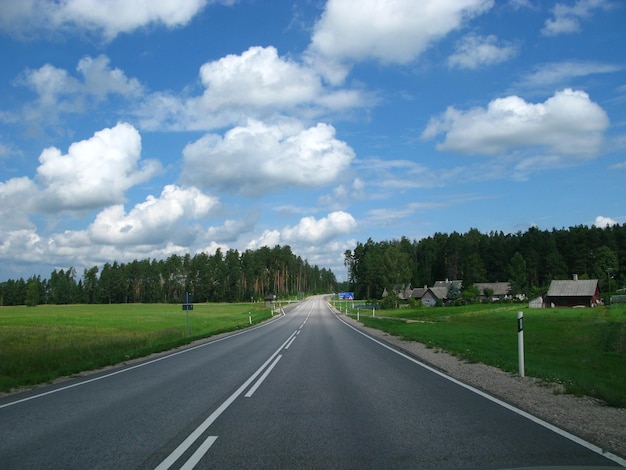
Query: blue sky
x=140 y=129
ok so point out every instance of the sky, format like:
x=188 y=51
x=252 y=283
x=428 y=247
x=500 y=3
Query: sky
x=139 y=129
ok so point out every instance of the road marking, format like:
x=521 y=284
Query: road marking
x=198 y=454
x=265 y=374
x=292 y=340
x=195 y=435
x=598 y=450
x=128 y=369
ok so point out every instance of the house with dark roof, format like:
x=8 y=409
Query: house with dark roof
x=418 y=293
x=434 y=295
x=499 y=290
x=457 y=283
x=439 y=292
x=402 y=292
x=573 y=293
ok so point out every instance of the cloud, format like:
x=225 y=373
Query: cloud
x=153 y=222
x=6 y=150
x=567 y=18
x=603 y=222
x=156 y=228
x=22 y=245
x=343 y=194
x=255 y=84
x=17 y=203
x=269 y=238
x=474 y=51
x=100 y=80
x=58 y=92
x=391 y=33
x=568 y=124
x=517 y=4
x=259 y=158
x=107 y=19
x=619 y=166
x=563 y=73
x=313 y=231
x=309 y=231
x=392 y=176
x=95 y=172
x=231 y=230
x=390 y=216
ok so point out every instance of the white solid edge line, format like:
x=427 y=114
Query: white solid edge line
x=193 y=437
x=199 y=453
x=598 y=450
x=128 y=369
x=265 y=374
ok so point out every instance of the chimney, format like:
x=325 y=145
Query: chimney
x=576 y=277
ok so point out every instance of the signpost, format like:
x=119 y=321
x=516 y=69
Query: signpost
x=346 y=296
x=187 y=305
x=520 y=342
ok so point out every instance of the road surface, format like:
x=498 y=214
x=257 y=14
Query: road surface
x=305 y=390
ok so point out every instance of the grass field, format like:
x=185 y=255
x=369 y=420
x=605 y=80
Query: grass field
x=40 y=344
x=583 y=349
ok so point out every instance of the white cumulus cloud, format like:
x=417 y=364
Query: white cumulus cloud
x=604 y=222
x=106 y=18
x=154 y=221
x=258 y=158
x=314 y=231
x=16 y=204
x=95 y=172
x=255 y=84
x=388 y=32
x=309 y=232
x=567 y=124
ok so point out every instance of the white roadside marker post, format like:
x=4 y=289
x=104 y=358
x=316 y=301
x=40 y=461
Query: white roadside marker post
x=520 y=342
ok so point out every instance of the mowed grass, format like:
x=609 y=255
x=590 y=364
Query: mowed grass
x=40 y=344
x=582 y=349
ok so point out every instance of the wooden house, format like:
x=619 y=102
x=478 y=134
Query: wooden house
x=499 y=290
x=434 y=295
x=574 y=293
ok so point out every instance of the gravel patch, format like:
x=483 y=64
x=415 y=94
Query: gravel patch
x=585 y=417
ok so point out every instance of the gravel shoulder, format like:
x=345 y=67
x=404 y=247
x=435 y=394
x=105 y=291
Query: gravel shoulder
x=585 y=417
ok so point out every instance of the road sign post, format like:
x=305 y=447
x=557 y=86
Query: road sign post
x=520 y=342
x=187 y=305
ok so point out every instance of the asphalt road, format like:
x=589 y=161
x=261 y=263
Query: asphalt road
x=302 y=391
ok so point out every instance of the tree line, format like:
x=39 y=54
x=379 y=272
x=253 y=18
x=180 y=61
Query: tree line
x=222 y=277
x=528 y=260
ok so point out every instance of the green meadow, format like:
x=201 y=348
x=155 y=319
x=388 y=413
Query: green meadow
x=582 y=349
x=40 y=344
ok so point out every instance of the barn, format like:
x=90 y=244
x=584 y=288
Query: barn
x=574 y=293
